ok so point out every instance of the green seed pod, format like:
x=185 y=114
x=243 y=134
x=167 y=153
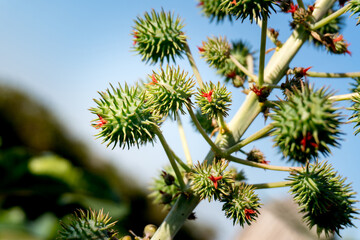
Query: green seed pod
x=88 y=225
x=211 y=181
x=213 y=10
x=306 y=125
x=241 y=205
x=159 y=188
x=251 y=9
x=323 y=197
x=158 y=36
x=215 y=51
x=123 y=117
x=354 y=9
x=213 y=100
x=169 y=91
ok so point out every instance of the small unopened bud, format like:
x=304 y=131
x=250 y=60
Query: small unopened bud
x=149 y=231
x=168 y=178
x=166 y=198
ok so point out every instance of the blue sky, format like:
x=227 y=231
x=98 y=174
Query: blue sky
x=63 y=52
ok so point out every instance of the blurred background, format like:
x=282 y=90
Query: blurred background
x=54 y=58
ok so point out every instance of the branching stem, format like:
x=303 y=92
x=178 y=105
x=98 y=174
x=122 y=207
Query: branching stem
x=242 y=68
x=333 y=75
x=261 y=165
x=193 y=65
x=170 y=155
x=262 y=52
x=331 y=17
x=343 y=97
x=183 y=140
x=272 y=185
x=259 y=134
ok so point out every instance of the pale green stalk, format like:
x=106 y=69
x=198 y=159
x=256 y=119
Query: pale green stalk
x=343 y=97
x=181 y=163
x=242 y=68
x=275 y=70
x=333 y=75
x=202 y=131
x=331 y=17
x=222 y=125
x=262 y=165
x=259 y=22
x=183 y=140
x=265 y=131
x=262 y=52
x=272 y=185
x=193 y=65
x=170 y=156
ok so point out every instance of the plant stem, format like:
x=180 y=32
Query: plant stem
x=222 y=125
x=331 y=17
x=333 y=75
x=179 y=161
x=193 y=65
x=272 y=185
x=343 y=97
x=262 y=52
x=242 y=68
x=170 y=155
x=202 y=131
x=183 y=140
x=268 y=33
x=259 y=134
x=261 y=165
x=301 y=3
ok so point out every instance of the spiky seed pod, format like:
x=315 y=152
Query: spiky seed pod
x=161 y=191
x=323 y=197
x=355 y=9
x=238 y=175
x=207 y=123
x=306 y=125
x=255 y=155
x=213 y=100
x=123 y=117
x=355 y=117
x=285 y=5
x=213 y=10
x=251 y=9
x=215 y=51
x=211 y=181
x=169 y=91
x=241 y=205
x=159 y=36
x=336 y=44
x=291 y=84
x=88 y=225
x=334 y=26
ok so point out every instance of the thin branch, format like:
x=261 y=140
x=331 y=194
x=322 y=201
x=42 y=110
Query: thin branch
x=179 y=161
x=242 y=68
x=331 y=17
x=343 y=97
x=259 y=134
x=269 y=35
x=333 y=75
x=183 y=140
x=261 y=165
x=262 y=52
x=170 y=156
x=222 y=125
x=193 y=65
x=202 y=131
x=272 y=185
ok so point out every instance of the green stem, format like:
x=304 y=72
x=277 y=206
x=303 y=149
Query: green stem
x=262 y=52
x=272 y=185
x=301 y=4
x=202 y=131
x=261 y=165
x=183 y=140
x=169 y=154
x=331 y=17
x=333 y=75
x=343 y=97
x=193 y=65
x=259 y=134
x=242 y=68
x=182 y=164
x=222 y=125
